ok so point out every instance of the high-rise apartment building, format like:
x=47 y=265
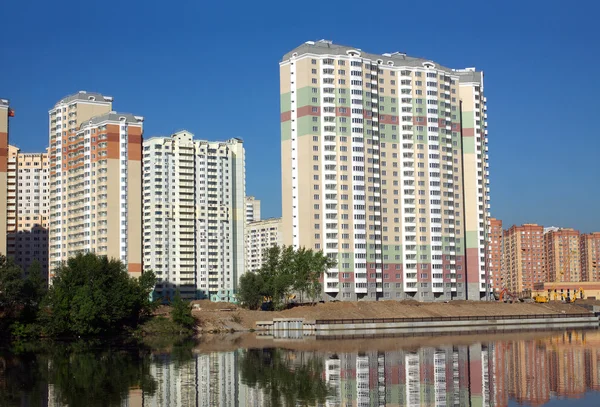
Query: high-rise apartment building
x=252 y=209
x=5 y=113
x=589 y=249
x=194 y=215
x=523 y=257
x=561 y=255
x=27 y=233
x=260 y=236
x=494 y=253
x=384 y=168
x=95 y=181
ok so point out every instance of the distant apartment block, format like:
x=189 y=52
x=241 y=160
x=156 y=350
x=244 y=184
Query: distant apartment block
x=27 y=233
x=95 y=181
x=561 y=255
x=494 y=253
x=523 y=257
x=260 y=236
x=194 y=215
x=252 y=209
x=5 y=113
x=385 y=168
x=589 y=250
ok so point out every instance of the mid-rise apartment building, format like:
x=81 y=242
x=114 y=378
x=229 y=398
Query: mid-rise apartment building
x=28 y=186
x=260 y=236
x=589 y=249
x=95 y=181
x=494 y=253
x=385 y=169
x=523 y=257
x=5 y=113
x=252 y=209
x=194 y=215
x=561 y=255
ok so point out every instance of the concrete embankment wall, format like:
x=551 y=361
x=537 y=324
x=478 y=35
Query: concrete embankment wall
x=284 y=327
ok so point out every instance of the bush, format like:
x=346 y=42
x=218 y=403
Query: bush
x=92 y=295
x=181 y=313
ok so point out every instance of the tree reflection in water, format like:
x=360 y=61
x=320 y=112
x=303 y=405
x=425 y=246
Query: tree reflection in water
x=284 y=380
x=73 y=374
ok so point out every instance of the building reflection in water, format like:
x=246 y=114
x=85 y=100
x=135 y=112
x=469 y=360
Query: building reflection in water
x=529 y=371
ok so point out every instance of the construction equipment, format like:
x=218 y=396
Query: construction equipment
x=568 y=299
x=511 y=297
x=541 y=299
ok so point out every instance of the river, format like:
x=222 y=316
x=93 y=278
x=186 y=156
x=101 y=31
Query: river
x=547 y=368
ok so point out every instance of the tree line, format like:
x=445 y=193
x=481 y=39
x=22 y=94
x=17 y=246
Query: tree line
x=285 y=272
x=90 y=295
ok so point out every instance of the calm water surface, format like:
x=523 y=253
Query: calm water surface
x=554 y=369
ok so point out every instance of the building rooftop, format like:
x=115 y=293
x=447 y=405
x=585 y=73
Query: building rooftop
x=396 y=59
x=4 y=102
x=114 y=117
x=83 y=95
x=189 y=136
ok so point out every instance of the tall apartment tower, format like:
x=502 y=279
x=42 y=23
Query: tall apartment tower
x=194 y=215
x=589 y=249
x=523 y=257
x=95 y=181
x=5 y=113
x=494 y=253
x=261 y=236
x=384 y=168
x=252 y=209
x=27 y=234
x=561 y=255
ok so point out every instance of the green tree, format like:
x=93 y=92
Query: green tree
x=11 y=289
x=91 y=295
x=284 y=272
x=181 y=312
x=251 y=291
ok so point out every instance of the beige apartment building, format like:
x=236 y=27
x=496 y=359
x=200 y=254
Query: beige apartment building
x=28 y=187
x=589 y=249
x=385 y=169
x=260 y=236
x=5 y=113
x=194 y=215
x=252 y=209
x=95 y=181
x=561 y=255
x=523 y=257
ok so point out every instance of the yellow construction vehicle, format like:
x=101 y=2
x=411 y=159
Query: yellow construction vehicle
x=540 y=299
x=568 y=299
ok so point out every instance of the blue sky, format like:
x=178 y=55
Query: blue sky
x=212 y=68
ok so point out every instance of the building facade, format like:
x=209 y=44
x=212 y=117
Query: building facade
x=384 y=168
x=523 y=257
x=561 y=255
x=5 y=113
x=194 y=215
x=95 y=181
x=27 y=233
x=252 y=209
x=589 y=250
x=260 y=236
x=494 y=254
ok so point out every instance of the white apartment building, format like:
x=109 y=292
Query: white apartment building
x=194 y=215
x=260 y=236
x=252 y=209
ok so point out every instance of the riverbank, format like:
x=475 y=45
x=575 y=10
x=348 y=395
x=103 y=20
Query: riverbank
x=221 y=317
